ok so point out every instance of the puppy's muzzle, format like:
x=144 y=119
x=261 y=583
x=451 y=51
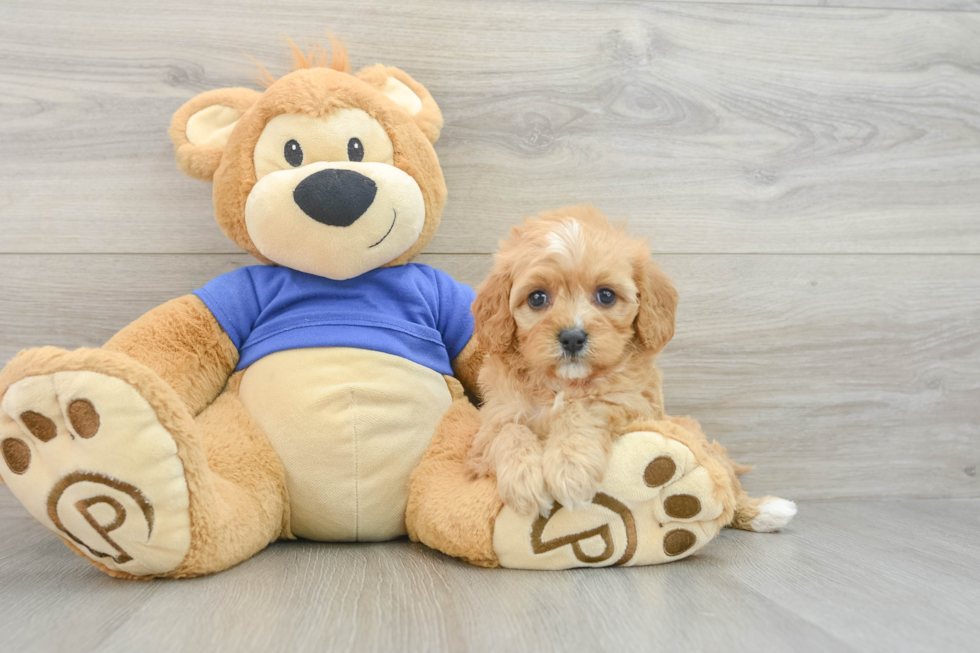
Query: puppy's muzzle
x=335 y=197
x=572 y=341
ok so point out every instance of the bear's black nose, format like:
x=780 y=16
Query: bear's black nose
x=572 y=340
x=335 y=197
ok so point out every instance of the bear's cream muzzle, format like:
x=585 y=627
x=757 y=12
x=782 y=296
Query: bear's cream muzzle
x=336 y=220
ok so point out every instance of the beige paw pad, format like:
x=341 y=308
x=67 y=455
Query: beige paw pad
x=656 y=504
x=86 y=455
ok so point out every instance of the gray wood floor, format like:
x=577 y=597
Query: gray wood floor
x=847 y=576
x=808 y=172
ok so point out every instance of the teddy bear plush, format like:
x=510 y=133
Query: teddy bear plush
x=290 y=399
x=294 y=399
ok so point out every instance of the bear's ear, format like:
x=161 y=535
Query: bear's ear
x=410 y=96
x=200 y=128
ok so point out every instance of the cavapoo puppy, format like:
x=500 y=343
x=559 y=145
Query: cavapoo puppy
x=573 y=316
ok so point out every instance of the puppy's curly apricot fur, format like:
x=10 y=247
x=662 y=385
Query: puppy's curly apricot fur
x=573 y=316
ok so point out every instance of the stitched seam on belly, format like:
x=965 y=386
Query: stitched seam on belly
x=357 y=478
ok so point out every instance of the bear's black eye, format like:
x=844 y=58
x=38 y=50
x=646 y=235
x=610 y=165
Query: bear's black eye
x=605 y=297
x=537 y=299
x=355 y=150
x=293 y=153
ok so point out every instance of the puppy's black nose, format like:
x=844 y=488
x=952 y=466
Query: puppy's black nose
x=572 y=340
x=335 y=197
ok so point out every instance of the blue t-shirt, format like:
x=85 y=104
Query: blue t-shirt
x=413 y=311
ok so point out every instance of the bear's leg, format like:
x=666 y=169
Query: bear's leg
x=448 y=509
x=107 y=455
x=248 y=483
x=665 y=495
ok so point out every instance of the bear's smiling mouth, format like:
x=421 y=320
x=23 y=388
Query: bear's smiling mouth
x=393 y=218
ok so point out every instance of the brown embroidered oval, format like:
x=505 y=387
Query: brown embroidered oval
x=682 y=506
x=16 y=454
x=678 y=541
x=54 y=497
x=603 y=532
x=83 y=417
x=40 y=426
x=660 y=470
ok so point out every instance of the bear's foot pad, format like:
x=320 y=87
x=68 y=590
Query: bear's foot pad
x=656 y=504
x=86 y=455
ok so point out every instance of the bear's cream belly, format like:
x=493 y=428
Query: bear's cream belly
x=350 y=426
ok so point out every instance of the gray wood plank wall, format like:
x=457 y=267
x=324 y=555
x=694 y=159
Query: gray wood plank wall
x=809 y=175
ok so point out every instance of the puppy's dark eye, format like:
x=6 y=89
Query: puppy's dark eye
x=605 y=297
x=537 y=299
x=355 y=150
x=293 y=153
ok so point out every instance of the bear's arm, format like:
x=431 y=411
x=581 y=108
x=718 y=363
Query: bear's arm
x=183 y=343
x=466 y=366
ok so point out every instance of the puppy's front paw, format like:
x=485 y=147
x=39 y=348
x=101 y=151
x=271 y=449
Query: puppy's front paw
x=521 y=486
x=572 y=478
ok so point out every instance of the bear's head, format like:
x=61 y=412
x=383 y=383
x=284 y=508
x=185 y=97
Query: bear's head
x=325 y=172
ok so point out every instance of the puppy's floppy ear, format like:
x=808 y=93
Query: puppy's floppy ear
x=410 y=96
x=495 y=326
x=658 y=303
x=200 y=128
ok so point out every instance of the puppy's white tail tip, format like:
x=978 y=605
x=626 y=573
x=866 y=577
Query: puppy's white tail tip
x=773 y=515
